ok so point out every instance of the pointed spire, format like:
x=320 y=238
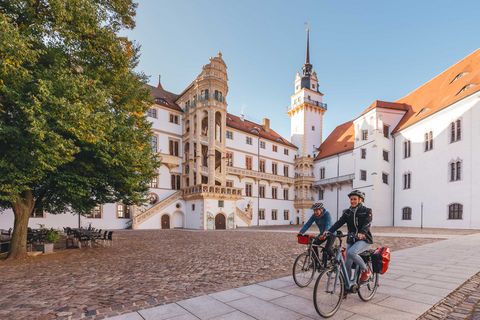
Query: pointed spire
x=307 y=67
x=307 y=58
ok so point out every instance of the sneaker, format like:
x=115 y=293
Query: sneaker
x=365 y=276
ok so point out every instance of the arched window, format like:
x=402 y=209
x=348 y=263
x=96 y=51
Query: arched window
x=455 y=170
x=407 y=213
x=455 y=211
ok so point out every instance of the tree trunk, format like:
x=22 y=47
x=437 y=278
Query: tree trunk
x=22 y=209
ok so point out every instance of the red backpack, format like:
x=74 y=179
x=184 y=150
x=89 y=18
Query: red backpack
x=381 y=259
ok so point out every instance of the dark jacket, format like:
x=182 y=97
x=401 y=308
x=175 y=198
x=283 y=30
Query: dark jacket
x=357 y=222
x=324 y=221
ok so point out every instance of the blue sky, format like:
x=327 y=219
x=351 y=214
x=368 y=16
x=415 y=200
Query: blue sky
x=361 y=50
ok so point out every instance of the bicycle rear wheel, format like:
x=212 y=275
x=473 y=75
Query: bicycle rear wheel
x=303 y=270
x=367 y=290
x=328 y=292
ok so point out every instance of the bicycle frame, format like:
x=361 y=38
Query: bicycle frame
x=311 y=252
x=349 y=284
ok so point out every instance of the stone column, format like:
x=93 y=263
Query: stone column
x=211 y=146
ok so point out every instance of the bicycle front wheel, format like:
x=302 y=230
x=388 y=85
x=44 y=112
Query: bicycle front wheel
x=303 y=270
x=367 y=290
x=328 y=292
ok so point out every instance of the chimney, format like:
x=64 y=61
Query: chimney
x=266 y=124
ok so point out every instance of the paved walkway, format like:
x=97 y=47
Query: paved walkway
x=418 y=278
x=377 y=234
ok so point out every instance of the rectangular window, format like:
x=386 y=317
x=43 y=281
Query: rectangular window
x=313 y=128
x=386 y=131
x=364 y=135
x=248 y=189
x=193 y=206
x=322 y=173
x=173 y=147
x=385 y=155
x=249 y=140
x=229 y=159
x=363 y=175
x=229 y=135
x=230 y=183
x=152 y=113
x=406 y=148
x=123 y=211
x=274 y=214
x=262 y=144
x=261 y=214
x=285 y=151
x=274 y=192
x=154 y=182
x=406 y=180
x=248 y=162
x=220 y=203
x=95 y=213
x=286 y=215
x=173 y=118
x=175 y=181
x=385 y=178
x=261 y=167
x=285 y=194
x=285 y=170
x=320 y=194
x=455 y=171
x=363 y=152
x=274 y=148
x=455 y=131
x=274 y=168
x=428 y=141
x=261 y=191
x=154 y=143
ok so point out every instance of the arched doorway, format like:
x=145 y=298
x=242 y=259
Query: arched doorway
x=220 y=222
x=165 y=221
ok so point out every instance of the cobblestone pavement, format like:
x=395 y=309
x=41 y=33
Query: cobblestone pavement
x=463 y=303
x=439 y=231
x=147 y=268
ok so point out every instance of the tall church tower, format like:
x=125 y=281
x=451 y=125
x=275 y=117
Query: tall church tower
x=306 y=109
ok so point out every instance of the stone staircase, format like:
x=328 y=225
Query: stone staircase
x=245 y=216
x=142 y=216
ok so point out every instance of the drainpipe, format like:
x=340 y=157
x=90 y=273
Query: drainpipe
x=338 y=174
x=393 y=184
x=258 y=181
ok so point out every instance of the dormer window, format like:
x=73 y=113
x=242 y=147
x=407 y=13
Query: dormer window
x=458 y=76
x=465 y=88
x=160 y=101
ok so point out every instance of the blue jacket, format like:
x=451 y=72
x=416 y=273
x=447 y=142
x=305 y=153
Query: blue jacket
x=323 y=222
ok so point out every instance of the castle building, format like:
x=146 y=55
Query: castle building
x=416 y=158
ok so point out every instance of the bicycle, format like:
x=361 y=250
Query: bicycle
x=307 y=262
x=333 y=283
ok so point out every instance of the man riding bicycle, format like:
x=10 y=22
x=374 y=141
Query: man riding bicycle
x=322 y=219
x=358 y=219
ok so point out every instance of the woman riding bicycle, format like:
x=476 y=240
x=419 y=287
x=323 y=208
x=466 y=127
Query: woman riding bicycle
x=358 y=219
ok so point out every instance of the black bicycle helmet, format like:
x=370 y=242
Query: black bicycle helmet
x=317 y=205
x=357 y=193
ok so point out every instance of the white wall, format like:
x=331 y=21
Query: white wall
x=430 y=183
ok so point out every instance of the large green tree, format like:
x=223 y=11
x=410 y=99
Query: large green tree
x=73 y=131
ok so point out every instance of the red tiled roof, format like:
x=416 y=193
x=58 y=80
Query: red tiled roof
x=387 y=105
x=340 y=140
x=164 y=98
x=247 y=126
x=457 y=82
